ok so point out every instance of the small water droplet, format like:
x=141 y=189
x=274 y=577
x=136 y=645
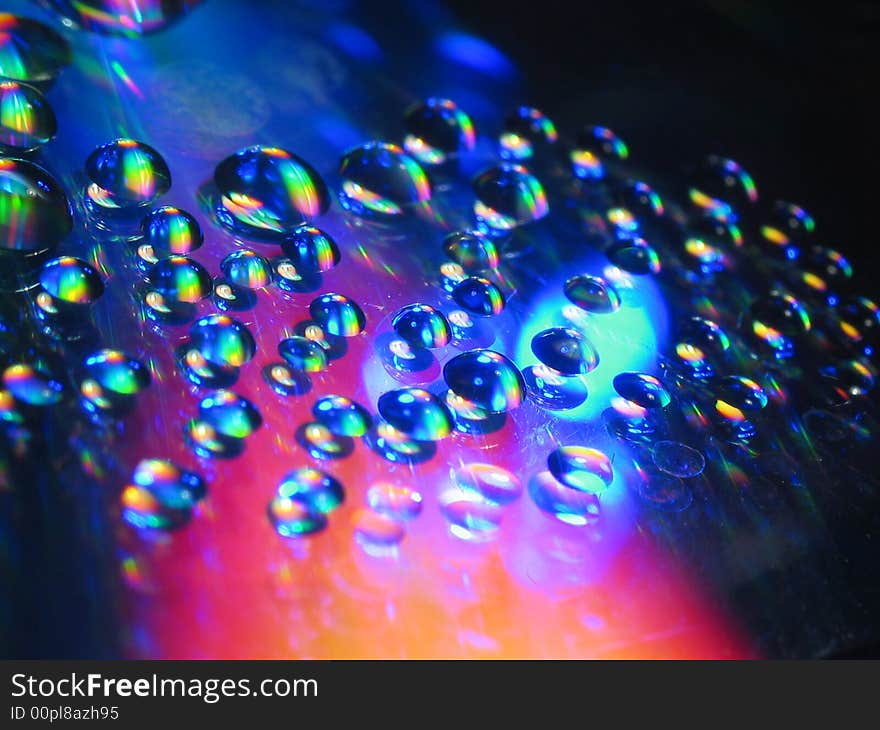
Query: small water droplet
x=644 y=390
x=508 y=196
x=592 y=294
x=565 y=350
x=678 y=459
x=380 y=179
x=338 y=315
x=485 y=378
x=310 y=249
x=581 y=468
x=417 y=413
x=341 y=415
x=422 y=326
x=437 y=131
x=222 y=340
x=567 y=505
x=302 y=354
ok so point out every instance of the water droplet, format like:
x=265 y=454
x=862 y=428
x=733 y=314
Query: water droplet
x=341 y=415
x=581 y=468
x=678 y=459
x=208 y=443
x=321 y=443
x=303 y=354
x=782 y=312
x=704 y=257
x=471 y=250
x=230 y=414
x=30 y=51
x=665 y=493
x=161 y=495
x=311 y=250
x=395 y=501
x=526 y=131
x=265 y=191
x=286 y=381
x=170 y=231
x=70 y=280
x=27 y=121
x=494 y=483
x=396 y=446
x=247 y=269
x=111 y=380
x=479 y=296
x=553 y=391
x=294 y=518
x=201 y=372
x=485 y=378
x=737 y=396
x=32 y=385
x=567 y=505
x=417 y=413
x=312 y=487
x=380 y=179
x=128 y=19
x=222 y=340
x=377 y=532
x=722 y=187
x=437 y=131
x=634 y=256
x=470 y=516
x=565 y=350
x=596 y=146
x=705 y=334
x=334 y=346
x=421 y=325
x=791 y=221
x=592 y=294
x=640 y=198
x=178 y=279
x=644 y=390
x=126 y=173
x=291 y=279
x=338 y=315
x=508 y=196
x=34 y=216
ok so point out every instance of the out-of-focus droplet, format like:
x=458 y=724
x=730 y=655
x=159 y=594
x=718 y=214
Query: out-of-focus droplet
x=479 y=296
x=200 y=371
x=377 y=532
x=644 y=390
x=341 y=415
x=422 y=326
x=380 y=179
x=470 y=516
x=792 y=221
x=32 y=385
x=581 y=468
x=111 y=380
x=437 y=131
x=640 y=198
x=130 y=19
x=592 y=294
x=665 y=493
x=417 y=413
x=27 y=120
x=338 y=314
x=294 y=518
x=485 y=378
x=398 y=447
x=222 y=340
x=126 y=174
x=705 y=334
x=266 y=191
x=302 y=354
x=30 y=51
x=321 y=443
x=493 y=483
x=595 y=146
x=565 y=350
x=738 y=396
x=310 y=249
x=508 y=196
x=571 y=506
x=161 y=495
x=722 y=188
x=678 y=459
x=553 y=391
x=170 y=231
x=400 y=502
x=782 y=312
x=526 y=131
x=635 y=256
x=471 y=250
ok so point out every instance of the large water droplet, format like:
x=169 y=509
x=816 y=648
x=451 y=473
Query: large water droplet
x=265 y=191
x=565 y=350
x=581 y=468
x=30 y=51
x=26 y=118
x=508 y=196
x=592 y=294
x=380 y=179
x=417 y=413
x=338 y=314
x=70 y=280
x=310 y=249
x=422 y=326
x=128 y=18
x=437 y=131
x=126 y=173
x=485 y=378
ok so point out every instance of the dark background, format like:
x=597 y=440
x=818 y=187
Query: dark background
x=784 y=88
